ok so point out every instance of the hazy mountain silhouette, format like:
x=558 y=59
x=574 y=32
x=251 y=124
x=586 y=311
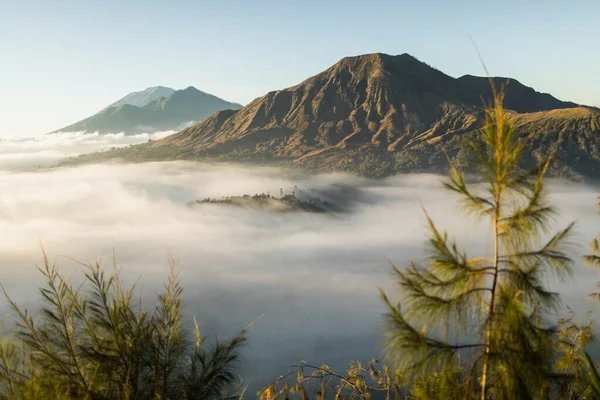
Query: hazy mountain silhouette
x=143 y=97
x=153 y=109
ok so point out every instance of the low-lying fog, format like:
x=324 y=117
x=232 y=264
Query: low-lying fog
x=313 y=276
x=47 y=150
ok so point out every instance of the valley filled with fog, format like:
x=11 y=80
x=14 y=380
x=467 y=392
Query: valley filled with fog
x=312 y=277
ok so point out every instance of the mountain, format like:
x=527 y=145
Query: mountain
x=519 y=98
x=150 y=110
x=378 y=114
x=142 y=98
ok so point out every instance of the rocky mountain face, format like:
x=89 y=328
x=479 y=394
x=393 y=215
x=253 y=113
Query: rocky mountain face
x=378 y=114
x=150 y=111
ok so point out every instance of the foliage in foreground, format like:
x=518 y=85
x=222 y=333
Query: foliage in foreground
x=491 y=311
x=361 y=382
x=593 y=259
x=97 y=341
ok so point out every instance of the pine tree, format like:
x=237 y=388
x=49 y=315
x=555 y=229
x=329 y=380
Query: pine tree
x=491 y=312
x=594 y=258
x=97 y=341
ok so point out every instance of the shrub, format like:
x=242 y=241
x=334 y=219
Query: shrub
x=97 y=341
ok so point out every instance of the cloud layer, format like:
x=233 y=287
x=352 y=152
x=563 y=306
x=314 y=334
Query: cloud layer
x=315 y=277
x=48 y=150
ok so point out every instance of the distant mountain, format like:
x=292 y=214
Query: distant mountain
x=377 y=115
x=142 y=98
x=154 y=109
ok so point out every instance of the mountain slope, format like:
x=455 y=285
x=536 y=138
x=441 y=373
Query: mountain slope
x=178 y=109
x=374 y=99
x=519 y=97
x=142 y=98
x=378 y=114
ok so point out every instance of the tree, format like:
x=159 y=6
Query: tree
x=97 y=341
x=594 y=259
x=488 y=312
x=362 y=382
x=570 y=360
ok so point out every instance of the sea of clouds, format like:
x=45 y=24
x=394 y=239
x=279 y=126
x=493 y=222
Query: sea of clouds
x=313 y=276
x=47 y=150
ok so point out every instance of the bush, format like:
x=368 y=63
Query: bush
x=97 y=341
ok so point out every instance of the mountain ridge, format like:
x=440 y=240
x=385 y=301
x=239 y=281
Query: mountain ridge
x=143 y=97
x=153 y=112
x=378 y=114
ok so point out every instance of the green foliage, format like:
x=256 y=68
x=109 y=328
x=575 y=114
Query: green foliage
x=491 y=311
x=570 y=359
x=591 y=369
x=442 y=385
x=97 y=341
x=594 y=259
x=593 y=377
x=361 y=382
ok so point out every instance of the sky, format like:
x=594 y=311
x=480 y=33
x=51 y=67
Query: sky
x=64 y=60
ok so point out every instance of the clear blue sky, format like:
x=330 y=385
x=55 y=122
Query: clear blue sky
x=63 y=60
